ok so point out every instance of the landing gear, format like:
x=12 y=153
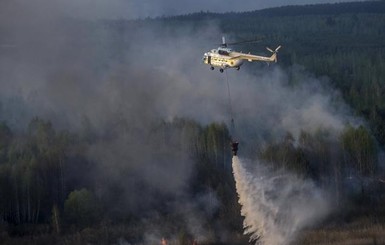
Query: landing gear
x=211 y=68
x=238 y=68
x=221 y=70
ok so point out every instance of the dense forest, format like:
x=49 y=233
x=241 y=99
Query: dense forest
x=139 y=179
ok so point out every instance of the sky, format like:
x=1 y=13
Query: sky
x=118 y=9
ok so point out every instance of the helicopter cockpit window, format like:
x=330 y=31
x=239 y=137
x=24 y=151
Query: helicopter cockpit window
x=223 y=52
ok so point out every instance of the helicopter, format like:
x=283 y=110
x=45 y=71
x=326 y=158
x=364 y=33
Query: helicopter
x=224 y=57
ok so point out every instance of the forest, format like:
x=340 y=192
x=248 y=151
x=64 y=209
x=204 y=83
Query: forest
x=141 y=177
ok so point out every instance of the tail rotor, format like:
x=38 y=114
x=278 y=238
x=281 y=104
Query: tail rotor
x=274 y=51
x=274 y=56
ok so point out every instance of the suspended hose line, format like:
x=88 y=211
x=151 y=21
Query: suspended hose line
x=230 y=102
x=234 y=143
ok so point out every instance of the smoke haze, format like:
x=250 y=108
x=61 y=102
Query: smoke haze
x=122 y=81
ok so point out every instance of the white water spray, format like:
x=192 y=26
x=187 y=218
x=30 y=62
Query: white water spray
x=275 y=205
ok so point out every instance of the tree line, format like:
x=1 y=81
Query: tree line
x=47 y=179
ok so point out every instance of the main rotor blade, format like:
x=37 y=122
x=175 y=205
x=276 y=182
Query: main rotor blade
x=270 y=49
x=247 y=41
x=276 y=50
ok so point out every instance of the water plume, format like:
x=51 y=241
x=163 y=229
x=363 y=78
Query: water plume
x=276 y=205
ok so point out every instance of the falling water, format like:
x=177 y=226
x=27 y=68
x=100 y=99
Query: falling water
x=276 y=205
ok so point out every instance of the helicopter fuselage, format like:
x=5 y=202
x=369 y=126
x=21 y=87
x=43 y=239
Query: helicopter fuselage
x=224 y=58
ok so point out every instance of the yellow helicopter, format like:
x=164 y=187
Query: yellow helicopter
x=224 y=57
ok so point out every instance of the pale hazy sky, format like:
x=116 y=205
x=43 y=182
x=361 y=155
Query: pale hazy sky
x=151 y=8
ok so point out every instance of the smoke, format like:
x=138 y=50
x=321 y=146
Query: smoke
x=276 y=205
x=121 y=80
x=145 y=74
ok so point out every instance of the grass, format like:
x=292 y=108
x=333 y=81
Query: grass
x=356 y=233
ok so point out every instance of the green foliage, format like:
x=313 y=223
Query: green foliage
x=213 y=172
x=81 y=208
x=360 y=150
x=32 y=172
x=284 y=155
x=334 y=163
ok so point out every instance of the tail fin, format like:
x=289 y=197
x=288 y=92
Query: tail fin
x=273 y=57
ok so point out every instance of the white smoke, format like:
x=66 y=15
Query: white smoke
x=276 y=206
x=69 y=72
